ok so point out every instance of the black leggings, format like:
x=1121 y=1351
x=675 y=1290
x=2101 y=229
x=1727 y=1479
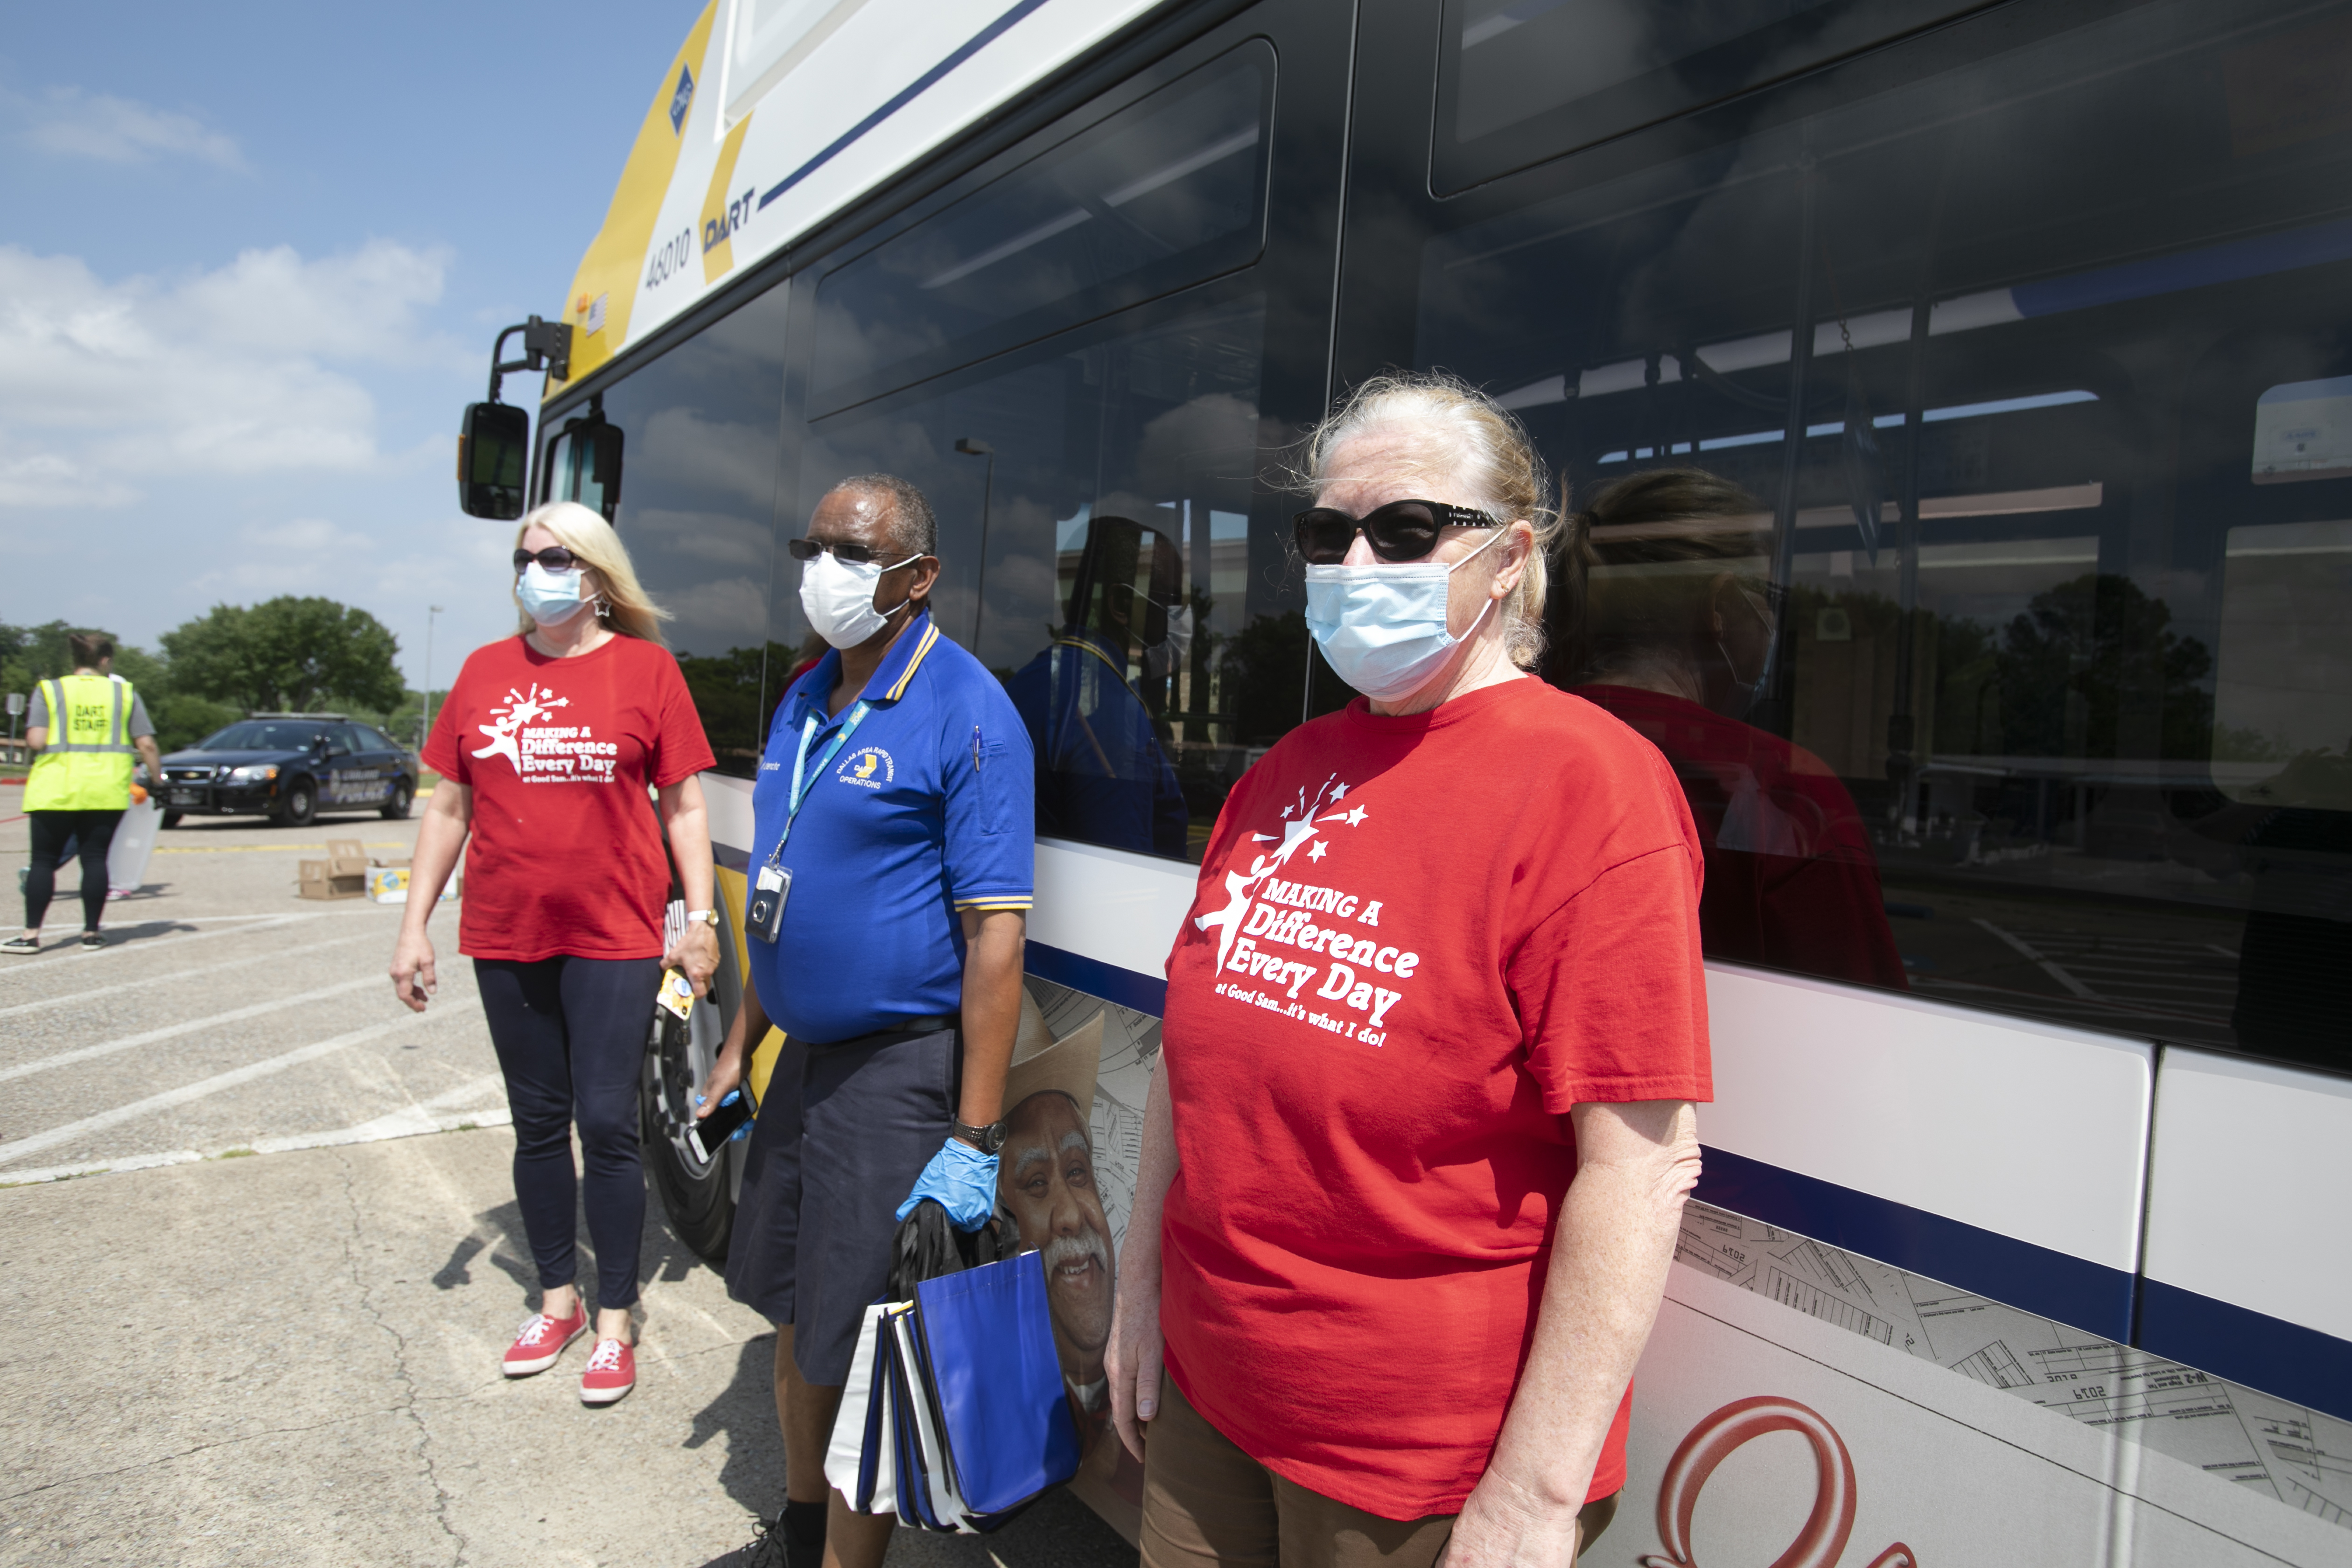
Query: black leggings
x=52 y=831
x=571 y=1037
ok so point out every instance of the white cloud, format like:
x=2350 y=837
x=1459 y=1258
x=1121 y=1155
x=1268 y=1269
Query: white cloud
x=117 y=130
x=247 y=369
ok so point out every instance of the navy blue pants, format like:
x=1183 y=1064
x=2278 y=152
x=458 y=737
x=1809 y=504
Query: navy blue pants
x=571 y=1037
x=843 y=1130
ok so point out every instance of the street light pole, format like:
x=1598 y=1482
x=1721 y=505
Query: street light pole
x=431 y=611
x=973 y=447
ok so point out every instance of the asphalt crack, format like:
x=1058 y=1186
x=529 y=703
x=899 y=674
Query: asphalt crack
x=409 y=1405
x=80 y=1476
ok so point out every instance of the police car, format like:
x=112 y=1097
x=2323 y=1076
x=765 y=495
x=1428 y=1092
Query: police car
x=289 y=767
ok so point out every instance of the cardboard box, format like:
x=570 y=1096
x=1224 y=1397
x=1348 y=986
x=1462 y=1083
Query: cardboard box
x=321 y=881
x=342 y=875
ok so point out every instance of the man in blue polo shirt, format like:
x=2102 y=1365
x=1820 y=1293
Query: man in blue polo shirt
x=892 y=862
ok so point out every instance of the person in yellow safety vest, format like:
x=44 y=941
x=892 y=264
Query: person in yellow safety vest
x=85 y=727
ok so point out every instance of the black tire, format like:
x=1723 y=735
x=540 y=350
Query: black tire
x=172 y=818
x=698 y=1197
x=299 y=807
x=397 y=807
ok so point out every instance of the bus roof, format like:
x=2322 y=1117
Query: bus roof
x=775 y=114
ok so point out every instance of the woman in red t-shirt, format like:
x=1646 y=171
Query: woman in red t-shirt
x=1413 y=1173
x=546 y=748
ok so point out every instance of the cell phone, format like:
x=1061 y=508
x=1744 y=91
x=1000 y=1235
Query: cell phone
x=713 y=1130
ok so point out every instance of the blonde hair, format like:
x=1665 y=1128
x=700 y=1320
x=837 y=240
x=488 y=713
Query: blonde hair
x=620 y=600
x=1466 y=444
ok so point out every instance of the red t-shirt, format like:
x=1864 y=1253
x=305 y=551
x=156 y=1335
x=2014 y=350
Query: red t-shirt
x=1791 y=878
x=566 y=855
x=1373 y=1144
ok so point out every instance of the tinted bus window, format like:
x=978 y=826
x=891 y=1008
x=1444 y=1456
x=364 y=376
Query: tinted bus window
x=1166 y=192
x=1094 y=501
x=690 y=485
x=1522 y=80
x=1966 y=463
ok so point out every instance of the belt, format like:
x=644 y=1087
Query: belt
x=929 y=1023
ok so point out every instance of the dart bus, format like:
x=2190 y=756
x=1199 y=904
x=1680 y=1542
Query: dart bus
x=2026 y=330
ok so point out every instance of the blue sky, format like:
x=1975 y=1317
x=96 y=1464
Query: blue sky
x=251 y=261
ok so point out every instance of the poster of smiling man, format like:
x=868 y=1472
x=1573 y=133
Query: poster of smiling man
x=1047 y=1195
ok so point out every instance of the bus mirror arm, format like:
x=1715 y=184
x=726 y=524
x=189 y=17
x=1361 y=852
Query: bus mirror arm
x=546 y=345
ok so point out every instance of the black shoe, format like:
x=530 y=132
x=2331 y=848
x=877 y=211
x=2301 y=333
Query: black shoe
x=765 y=1549
x=21 y=944
x=91 y=941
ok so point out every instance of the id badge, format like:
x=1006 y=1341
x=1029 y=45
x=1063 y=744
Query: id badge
x=765 y=918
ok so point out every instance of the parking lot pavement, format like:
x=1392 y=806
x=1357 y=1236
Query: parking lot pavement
x=228 y=1013
x=292 y=1358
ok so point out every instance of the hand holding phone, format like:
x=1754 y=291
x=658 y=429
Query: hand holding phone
x=714 y=1126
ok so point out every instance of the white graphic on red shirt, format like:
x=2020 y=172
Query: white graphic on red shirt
x=544 y=752
x=1264 y=914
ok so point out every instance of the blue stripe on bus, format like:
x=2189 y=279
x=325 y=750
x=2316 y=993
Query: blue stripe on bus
x=978 y=42
x=2231 y=263
x=2264 y=1352
x=1144 y=993
x=2057 y=1285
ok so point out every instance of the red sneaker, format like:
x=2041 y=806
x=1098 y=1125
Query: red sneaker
x=540 y=1341
x=612 y=1372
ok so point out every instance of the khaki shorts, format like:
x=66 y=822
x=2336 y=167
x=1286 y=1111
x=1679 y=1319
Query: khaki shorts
x=1206 y=1502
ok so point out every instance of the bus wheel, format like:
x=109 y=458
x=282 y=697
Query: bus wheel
x=696 y=1194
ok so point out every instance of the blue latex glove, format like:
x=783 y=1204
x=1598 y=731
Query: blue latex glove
x=960 y=1180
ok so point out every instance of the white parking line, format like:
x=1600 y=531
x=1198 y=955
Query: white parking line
x=92 y=993
x=171 y=1031
x=33 y=1144
x=148 y=944
x=435 y=1115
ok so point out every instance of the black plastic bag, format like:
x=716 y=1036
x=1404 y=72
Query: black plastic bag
x=928 y=1244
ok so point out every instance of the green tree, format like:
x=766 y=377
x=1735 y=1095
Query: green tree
x=2085 y=648
x=288 y=654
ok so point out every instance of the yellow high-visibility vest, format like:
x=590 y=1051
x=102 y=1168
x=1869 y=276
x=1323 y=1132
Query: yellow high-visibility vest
x=87 y=765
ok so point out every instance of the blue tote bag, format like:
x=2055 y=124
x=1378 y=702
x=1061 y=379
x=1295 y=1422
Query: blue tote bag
x=983 y=1340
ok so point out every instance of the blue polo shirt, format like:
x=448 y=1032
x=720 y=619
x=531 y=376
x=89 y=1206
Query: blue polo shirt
x=926 y=811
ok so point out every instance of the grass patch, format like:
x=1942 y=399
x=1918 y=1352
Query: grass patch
x=233 y=1154
x=468 y=1127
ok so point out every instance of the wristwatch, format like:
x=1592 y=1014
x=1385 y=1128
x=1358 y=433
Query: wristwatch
x=988 y=1140
x=708 y=916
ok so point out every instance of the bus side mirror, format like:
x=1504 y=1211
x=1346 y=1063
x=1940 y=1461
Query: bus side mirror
x=493 y=458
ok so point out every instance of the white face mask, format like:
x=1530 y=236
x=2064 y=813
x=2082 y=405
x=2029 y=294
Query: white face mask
x=550 y=598
x=837 y=597
x=1384 y=627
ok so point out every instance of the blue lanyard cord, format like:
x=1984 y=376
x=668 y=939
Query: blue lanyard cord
x=803 y=780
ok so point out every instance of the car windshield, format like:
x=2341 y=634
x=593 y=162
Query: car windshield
x=262 y=735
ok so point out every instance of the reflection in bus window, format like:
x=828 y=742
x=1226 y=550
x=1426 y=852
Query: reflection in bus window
x=1108 y=530
x=1676 y=637
x=1103 y=776
x=698 y=511
x=2031 y=435
x=1165 y=193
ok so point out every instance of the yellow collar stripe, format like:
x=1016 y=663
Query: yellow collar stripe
x=930 y=635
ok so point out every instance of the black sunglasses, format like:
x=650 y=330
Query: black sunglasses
x=555 y=558
x=856 y=554
x=1401 y=531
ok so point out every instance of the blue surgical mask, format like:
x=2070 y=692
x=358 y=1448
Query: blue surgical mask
x=1383 y=627
x=551 y=598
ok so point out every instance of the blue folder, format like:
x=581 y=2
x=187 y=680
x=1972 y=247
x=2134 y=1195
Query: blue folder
x=985 y=1337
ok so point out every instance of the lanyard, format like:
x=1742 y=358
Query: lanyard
x=801 y=773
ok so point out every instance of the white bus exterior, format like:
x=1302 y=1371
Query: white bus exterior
x=2030 y=1252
